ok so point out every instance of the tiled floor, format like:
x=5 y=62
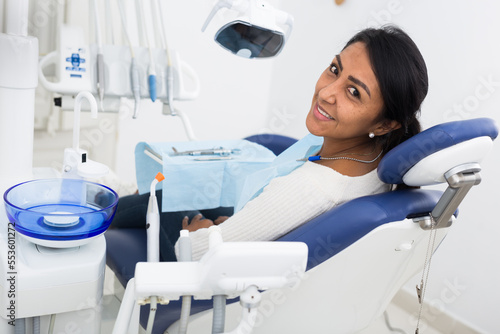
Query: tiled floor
x=397 y=318
x=111 y=305
x=400 y=321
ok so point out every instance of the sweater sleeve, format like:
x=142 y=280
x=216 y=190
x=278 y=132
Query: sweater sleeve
x=286 y=203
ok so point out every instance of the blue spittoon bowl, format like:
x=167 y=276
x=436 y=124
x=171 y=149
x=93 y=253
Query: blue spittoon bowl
x=60 y=212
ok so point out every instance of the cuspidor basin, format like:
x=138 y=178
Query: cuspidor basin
x=60 y=212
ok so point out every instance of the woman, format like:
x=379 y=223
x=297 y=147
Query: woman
x=365 y=103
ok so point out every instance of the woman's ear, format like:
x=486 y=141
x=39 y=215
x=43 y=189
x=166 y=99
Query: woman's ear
x=386 y=126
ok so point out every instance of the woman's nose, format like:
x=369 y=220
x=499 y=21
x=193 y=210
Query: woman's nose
x=328 y=93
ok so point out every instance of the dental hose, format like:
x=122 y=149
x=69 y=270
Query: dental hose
x=99 y=56
x=52 y=323
x=136 y=87
x=153 y=236
x=156 y=6
x=134 y=70
x=20 y=327
x=219 y=314
x=219 y=301
x=185 y=253
x=36 y=325
x=152 y=67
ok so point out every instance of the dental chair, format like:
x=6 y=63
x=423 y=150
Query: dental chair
x=359 y=253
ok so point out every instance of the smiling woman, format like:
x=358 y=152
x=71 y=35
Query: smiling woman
x=347 y=106
x=365 y=102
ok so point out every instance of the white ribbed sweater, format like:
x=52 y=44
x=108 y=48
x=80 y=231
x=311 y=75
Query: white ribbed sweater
x=289 y=201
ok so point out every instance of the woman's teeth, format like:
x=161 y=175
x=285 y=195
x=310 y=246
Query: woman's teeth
x=324 y=114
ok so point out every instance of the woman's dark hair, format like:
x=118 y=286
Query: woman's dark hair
x=402 y=77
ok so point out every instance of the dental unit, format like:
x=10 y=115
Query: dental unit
x=54 y=226
x=110 y=71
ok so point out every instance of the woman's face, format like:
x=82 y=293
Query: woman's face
x=347 y=102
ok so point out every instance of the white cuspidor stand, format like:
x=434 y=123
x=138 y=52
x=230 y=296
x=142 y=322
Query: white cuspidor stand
x=65 y=284
x=36 y=281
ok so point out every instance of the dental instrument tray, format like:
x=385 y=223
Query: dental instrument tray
x=199 y=174
x=60 y=212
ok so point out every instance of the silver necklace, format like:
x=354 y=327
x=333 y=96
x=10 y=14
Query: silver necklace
x=319 y=157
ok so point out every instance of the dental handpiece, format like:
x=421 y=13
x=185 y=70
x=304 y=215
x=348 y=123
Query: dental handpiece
x=170 y=90
x=136 y=87
x=152 y=85
x=153 y=222
x=100 y=76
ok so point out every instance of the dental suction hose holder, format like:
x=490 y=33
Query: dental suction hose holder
x=460 y=180
x=76 y=163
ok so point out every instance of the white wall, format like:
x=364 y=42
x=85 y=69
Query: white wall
x=459 y=40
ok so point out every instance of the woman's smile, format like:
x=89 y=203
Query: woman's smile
x=321 y=115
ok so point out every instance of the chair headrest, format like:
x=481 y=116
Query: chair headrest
x=427 y=156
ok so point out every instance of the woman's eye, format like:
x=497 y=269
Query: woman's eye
x=354 y=92
x=334 y=69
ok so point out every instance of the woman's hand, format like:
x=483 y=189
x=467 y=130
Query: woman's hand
x=220 y=220
x=196 y=223
x=199 y=222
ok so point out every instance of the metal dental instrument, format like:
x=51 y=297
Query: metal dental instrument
x=221 y=151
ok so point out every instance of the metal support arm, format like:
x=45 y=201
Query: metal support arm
x=460 y=180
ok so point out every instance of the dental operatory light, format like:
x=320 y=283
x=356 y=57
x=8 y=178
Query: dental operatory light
x=257 y=30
